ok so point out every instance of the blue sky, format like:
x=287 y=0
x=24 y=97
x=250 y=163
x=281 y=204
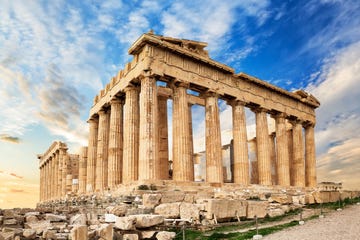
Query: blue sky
x=56 y=55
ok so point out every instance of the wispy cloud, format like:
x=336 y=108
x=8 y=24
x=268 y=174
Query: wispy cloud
x=8 y=138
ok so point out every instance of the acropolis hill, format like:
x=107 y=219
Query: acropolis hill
x=125 y=170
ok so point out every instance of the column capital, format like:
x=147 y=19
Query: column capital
x=210 y=93
x=131 y=87
x=308 y=124
x=93 y=119
x=294 y=121
x=236 y=102
x=116 y=101
x=256 y=109
x=279 y=115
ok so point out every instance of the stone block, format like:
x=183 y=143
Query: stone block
x=54 y=218
x=7 y=235
x=106 y=232
x=130 y=236
x=317 y=197
x=29 y=233
x=334 y=196
x=110 y=218
x=120 y=210
x=275 y=209
x=225 y=208
x=78 y=219
x=279 y=198
x=345 y=195
x=191 y=211
x=172 y=196
x=298 y=199
x=145 y=221
x=39 y=227
x=164 y=235
x=49 y=234
x=8 y=213
x=309 y=199
x=79 y=233
x=31 y=214
x=11 y=221
x=151 y=200
x=189 y=198
x=147 y=234
x=31 y=219
x=168 y=210
x=257 y=208
x=125 y=223
x=137 y=211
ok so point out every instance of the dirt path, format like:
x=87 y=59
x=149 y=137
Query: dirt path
x=336 y=225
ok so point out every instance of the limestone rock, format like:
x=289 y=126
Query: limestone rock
x=8 y=213
x=119 y=210
x=49 y=234
x=130 y=236
x=125 y=223
x=29 y=233
x=164 y=235
x=11 y=221
x=298 y=199
x=334 y=196
x=309 y=199
x=145 y=221
x=279 y=198
x=31 y=214
x=317 y=197
x=168 y=210
x=54 y=218
x=172 y=196
x=31 y=219
x=147 y=234
x=7 y=235
x=78 y=219
x=191 y=211
x=40 y=226
x=79 y=233
x=225 y=208
x=106 y=232
x=257 y=208
x=151 y=200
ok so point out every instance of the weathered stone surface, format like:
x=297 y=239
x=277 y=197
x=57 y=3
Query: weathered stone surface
x=147 y=234
x=345 y=195
x=256 y=208
x=31 y=219
x=145 y=221
x=130 y=236
x=334 y=196
x=125 y=223
x=191 y=211
x=40 y=226
x=225 y=208
x=7 y=235
x=137 y=211
x=106 y=232
x=151 y=200
x=78 y=219
x=279 y=198
x=29 y=233
x=119 y=210
x=275 y=210
x=9 y=213
x=31 y=214
x=309 y=199
x=11 y=221
x=172 y=196
x=79 y=232
x=49 y=234
x=164 y=235
x=298 y=199
x=110 y=218
x=168 y=210
x=317 y=197
x=54 y=218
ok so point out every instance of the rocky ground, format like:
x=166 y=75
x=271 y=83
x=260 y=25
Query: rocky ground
x=335 y=225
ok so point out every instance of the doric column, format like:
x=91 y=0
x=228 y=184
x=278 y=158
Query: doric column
x=240 y=146
x=310 y=159
x=298 y=154
x=52 y=178
x=263 y=147
x=69 y=175
x=115 y=143
x=254 y=176
x=282 y=151
x=102 y=151
x=92 y=154
x=47 y=179
x=163 y=138
x=273 y=158
x=58 y=186
x=148 y=146
x=131 y=134
x=183 y=165
x=40 y=183
x=289 y=134
x=82 y=169
x=214 y=171
x=62 y=154
x=56 y=176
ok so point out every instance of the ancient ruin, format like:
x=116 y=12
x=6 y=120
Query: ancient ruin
x=128 y=137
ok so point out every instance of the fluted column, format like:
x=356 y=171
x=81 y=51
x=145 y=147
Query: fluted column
x=83 y=169
x=310 y=159
x=289 y=134
x=263 y=147
x=254 y=176
x=148 y=146
x=58 y=184
x=273 y=158
x=62 y=152
x=163 y=167
x=56 y=170
x=52 y=176
x=282 y=152
x=214 y=170
x=131 y=135
x=69 y=176
x=92 y=154
x=298 y=154
x=102 y=151
x=240 y=146
x=183 y=165
x=115 y=143
x=47 y=180
x=40 y=183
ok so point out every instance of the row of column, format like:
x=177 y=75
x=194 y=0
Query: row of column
x=128 y=142
x=55 y=173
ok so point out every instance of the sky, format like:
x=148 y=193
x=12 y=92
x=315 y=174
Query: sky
x=55 y=56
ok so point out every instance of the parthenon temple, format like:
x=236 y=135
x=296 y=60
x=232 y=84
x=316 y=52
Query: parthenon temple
x=128 y=126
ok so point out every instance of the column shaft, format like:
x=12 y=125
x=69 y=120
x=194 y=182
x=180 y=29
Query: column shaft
x=148 y=147
x=52 y=177
x=115 y=143
x=82 y=169
x=102 y=151
x=289 y=134
x=240 y=155
x=214 y=170
x=163 y=138
x=254 y=176
x=63 y=171
x=298 y=155
x=273 y=159
x=183 y=165
x=282 y=152
x=131 y=135
x=263 y=147
x=58 y=187
x=92 y=154
x=69 y=175
x=56 y=176
x=310 y=159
